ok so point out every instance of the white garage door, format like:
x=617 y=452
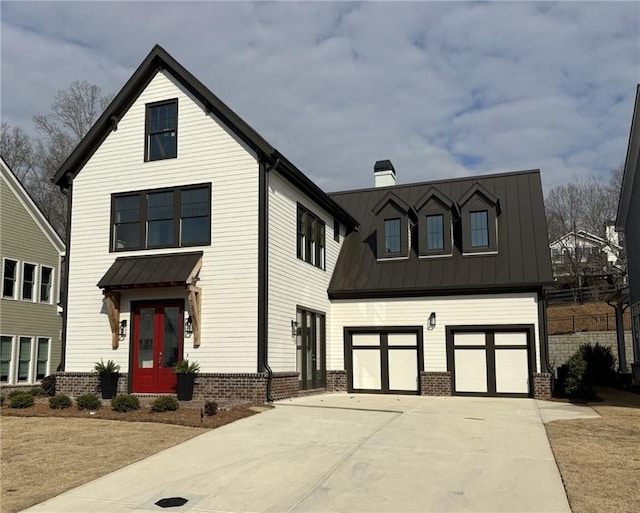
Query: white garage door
x=492 y=362
x=384 y=361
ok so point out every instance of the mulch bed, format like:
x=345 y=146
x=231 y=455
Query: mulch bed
x=184 y=416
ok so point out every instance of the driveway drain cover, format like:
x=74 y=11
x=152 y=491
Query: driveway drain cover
x=172 y=502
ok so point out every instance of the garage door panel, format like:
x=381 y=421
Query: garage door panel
x=469 y=339
x=403 y=367
x=365 y=339
x=471 y=370
x=366 y=369
x=511 y=339
x=512 y=371
x=402 y=339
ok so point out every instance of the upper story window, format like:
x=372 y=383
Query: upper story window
x=479 y=211
x=29 y=281
x=9 y=278
x=392 y=234
x=46 y=284
x=310 y=238
x=435 y=224
x=162 y=130
x=336 y=230
x=6 y=348
x=167 y=218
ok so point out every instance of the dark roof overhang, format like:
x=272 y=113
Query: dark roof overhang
x=147 y=271
x=392 y=293
x=631 y=164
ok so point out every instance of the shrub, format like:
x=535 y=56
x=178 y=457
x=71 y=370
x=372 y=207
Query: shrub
x=210 y=408
x=59 y=402
x=48 y=384
x=37 y=391
x=110 y=367
x=125 y=402
x=578 y=384
x=20 y=400
x=88 y=402
x=165 y=403
x=186 y=367
x=600 y=364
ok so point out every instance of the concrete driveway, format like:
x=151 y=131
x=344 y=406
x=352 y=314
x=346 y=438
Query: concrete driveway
x=349 y=453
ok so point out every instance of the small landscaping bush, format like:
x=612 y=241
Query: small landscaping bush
x=37 y=391
x=125 y=402
x=600 y=364
x=88 y=402
x=59 y=402
x=48 y=384
x=20 y=399
x=578 y=384
x=165 y=403
x=1 y=400
x=210 y=408
x=14 y=393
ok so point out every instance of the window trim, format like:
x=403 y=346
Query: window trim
x=475 y=199
x=18 y=360
x=147 y=132
x=51 y=287
x=36 y=358
x=143 y=218
x=387 y=237
x=313 y=252
x=481 y=230
x=16 y=279
x=12 y=342
x=35 y=284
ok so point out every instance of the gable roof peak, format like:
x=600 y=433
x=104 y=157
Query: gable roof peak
x=478 y=189
x=432 y=192
x=391 y=197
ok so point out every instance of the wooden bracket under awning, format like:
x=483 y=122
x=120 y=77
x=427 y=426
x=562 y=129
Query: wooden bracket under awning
x=194 y=297
x=112 y=300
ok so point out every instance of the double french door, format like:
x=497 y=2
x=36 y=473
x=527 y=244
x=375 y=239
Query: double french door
x=157 y=346
x=311 y=349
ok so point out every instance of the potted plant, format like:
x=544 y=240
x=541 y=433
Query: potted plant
x=108 y=374
x=186 y=373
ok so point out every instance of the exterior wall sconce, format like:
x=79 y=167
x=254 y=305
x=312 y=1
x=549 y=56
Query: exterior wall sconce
x=188 y=327
x=295 y=328
x=123 y=329
x=432 y=320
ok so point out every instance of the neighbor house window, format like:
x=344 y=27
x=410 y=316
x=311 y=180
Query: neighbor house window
x=310 y=238
x=24 y=358
x=435 y=232
x=42 y=358
x=9 y=278
x=162 y=122
x=336 y=230
x=479 y=229
x=167 y=218
x=46 y=284
x=28 y=281
x=392 y=237
x=6 y=344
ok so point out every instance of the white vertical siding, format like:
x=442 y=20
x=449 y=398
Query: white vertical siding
x=293 y=282
x=450 y=311
x=207 y=152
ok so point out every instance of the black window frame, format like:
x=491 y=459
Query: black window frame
x=13 y=279
x=46 y=285
x=143 y=218
x=148 y=133
x=311 y=244
x=32 y=284
x=482 y=231
x=435 y=203
x=388 y=237
x=476 y=199
x=336 y=230
x=387 y=213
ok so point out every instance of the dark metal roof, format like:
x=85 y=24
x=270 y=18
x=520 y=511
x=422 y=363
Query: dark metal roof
x=523 y=261
x=151 y=271
x=159 y=59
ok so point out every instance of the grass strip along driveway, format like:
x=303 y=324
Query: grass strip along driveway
x=599 y=459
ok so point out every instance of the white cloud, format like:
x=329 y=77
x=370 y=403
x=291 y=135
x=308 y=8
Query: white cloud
x=441 y=89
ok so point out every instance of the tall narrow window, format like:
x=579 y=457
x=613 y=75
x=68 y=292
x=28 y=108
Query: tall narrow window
x=42 y=358
x=392 y=235
x=311 y=238
x=312 y=241
x=303 y=220
x=160 y=219
x=127 y=222
x=46 y=284
x=320 y=248
x=162 y=121
x=24 y=358
x=435 y=232
x=336 y=230
x=195 y=216
x=5 y=357
x=479 y=229
x=28 y=281
x=9 y=278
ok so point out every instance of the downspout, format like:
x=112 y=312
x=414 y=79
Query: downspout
x=65 y=302
x=622 y=351
x=263 y=274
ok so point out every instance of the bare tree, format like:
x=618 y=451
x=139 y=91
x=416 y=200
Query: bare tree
x=16 y=149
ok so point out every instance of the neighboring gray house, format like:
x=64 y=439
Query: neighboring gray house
x=192 y=237
x=30 y=322
x=628 y=223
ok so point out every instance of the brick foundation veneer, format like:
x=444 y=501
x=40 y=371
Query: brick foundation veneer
x=336 y=381
x=542 y=386
x=79 y=383
x=435 y=383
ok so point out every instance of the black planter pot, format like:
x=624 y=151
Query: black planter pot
x=109 y=384
x=185 y=386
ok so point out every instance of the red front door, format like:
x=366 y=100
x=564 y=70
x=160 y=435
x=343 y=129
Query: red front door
x=157 y=346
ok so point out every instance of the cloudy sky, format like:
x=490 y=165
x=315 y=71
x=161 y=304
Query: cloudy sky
x=442 y=89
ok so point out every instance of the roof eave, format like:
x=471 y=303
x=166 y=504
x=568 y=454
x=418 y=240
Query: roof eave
x=630 y=166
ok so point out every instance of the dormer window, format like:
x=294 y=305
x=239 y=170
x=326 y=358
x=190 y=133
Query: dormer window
x=161 y=136
x=393 y=233
x=435 y=224
x=479 y=209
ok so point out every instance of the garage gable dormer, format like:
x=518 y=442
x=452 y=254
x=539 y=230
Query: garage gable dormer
x=393 y=227
x=479 y=212
x=436 y=214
